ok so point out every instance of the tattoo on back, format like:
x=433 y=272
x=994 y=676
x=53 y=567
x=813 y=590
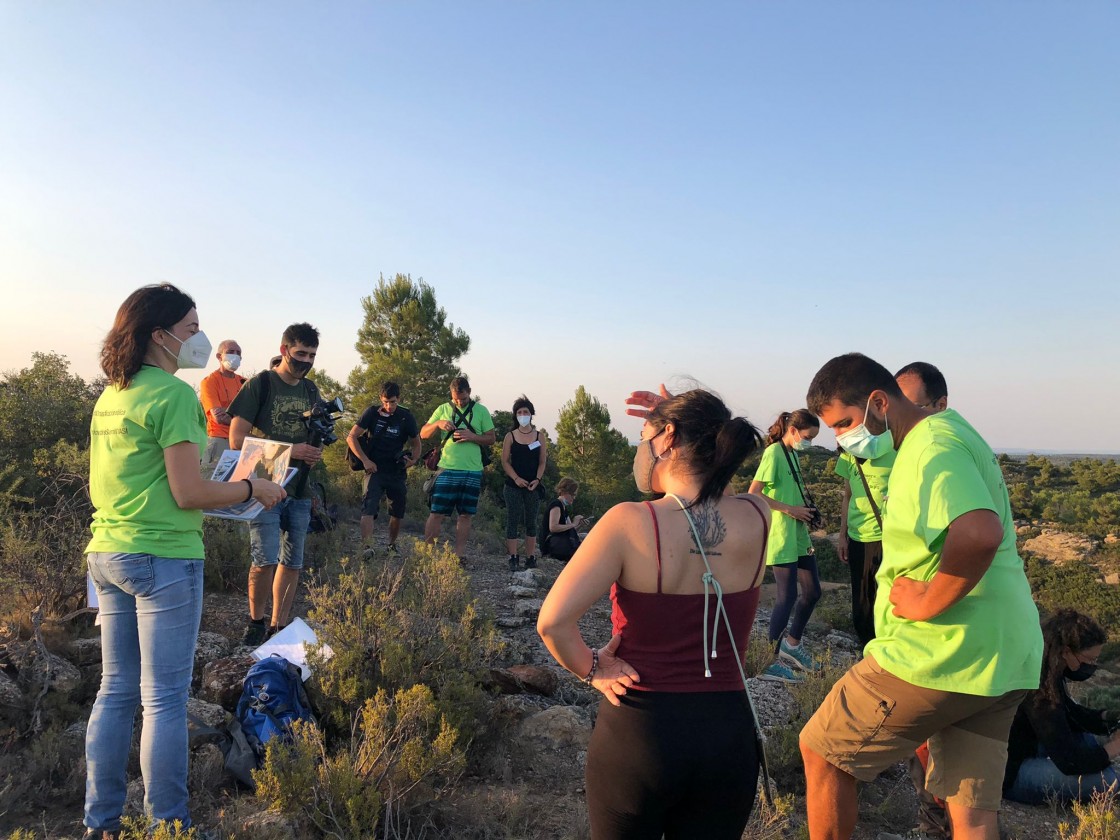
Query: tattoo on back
x=709 y=525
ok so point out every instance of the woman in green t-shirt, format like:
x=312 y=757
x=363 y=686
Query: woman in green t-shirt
x=789 y=552
x=145 y=557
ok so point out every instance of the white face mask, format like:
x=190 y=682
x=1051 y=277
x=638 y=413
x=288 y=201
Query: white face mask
x=524 y=419
x=231 y=361
x=802 y=444
x=194 y=352
x=862 y=444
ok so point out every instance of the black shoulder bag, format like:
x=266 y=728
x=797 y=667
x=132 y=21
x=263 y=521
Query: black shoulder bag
x=365 y=439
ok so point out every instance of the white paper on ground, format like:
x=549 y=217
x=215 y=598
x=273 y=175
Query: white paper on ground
x=290 y=642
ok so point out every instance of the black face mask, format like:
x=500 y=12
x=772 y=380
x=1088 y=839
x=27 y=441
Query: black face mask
x=1084 y=672
x=299 y=368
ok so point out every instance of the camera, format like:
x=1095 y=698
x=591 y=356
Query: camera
x=817 y=522
x=320 y=420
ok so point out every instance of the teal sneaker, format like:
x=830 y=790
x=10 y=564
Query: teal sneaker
x=780 y=672
x=797 y=657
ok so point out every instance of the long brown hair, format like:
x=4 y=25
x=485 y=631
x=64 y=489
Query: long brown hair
x=802 y=419
x=1065 y=630
x=147 y=309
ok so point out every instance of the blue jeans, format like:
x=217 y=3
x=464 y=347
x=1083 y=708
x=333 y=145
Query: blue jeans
x=291 y=518
x=1039 y=779
x=150 y=611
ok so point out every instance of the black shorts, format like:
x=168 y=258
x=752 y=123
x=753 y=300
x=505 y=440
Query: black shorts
x=392 y=485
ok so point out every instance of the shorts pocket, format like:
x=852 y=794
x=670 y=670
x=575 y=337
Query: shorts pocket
x=872 y=709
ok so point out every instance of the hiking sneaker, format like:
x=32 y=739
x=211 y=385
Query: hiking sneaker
x=255 y=633
x=392 y=550
x=514 y=560
x=797 y=657
x=531 y=561
x=780 y=672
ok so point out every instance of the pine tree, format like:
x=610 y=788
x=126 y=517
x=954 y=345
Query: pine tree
x=597 y=456
x=406 y=338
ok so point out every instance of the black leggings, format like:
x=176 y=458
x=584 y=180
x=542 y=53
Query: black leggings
x=863 y=564
x=788 y=578
x=679 y=765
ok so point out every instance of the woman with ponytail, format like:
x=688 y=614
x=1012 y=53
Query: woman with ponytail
x=674 y=751
x=789 y=552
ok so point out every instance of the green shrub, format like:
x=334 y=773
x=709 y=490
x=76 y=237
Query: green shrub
x=42 y=545
x=1096 y=819
x=227 y=553
x=393 y=624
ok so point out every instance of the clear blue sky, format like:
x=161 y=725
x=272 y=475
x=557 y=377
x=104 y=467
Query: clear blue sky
x=605 y=194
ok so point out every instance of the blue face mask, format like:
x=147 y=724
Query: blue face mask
x=862 y=444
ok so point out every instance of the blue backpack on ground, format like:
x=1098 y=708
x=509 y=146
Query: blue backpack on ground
x=272 y=698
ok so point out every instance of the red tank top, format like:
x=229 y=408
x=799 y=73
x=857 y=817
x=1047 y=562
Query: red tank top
x=663 y=633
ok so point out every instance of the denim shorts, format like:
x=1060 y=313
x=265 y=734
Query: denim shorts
x=278 y=535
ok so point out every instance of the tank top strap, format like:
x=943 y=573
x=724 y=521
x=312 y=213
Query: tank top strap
x=762 y=553
x=657 y=543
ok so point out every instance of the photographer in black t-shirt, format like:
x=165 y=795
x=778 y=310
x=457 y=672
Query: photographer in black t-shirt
x=378 y=440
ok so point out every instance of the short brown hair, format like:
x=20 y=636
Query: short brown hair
x=567 y=485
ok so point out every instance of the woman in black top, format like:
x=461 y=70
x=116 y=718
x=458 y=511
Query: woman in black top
x=1054 y=750
x=561 y=538
x=524 y=455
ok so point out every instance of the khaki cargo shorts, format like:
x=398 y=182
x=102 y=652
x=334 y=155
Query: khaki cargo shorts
x=872 y=719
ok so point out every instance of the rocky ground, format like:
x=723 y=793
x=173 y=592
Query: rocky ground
x=526 y=775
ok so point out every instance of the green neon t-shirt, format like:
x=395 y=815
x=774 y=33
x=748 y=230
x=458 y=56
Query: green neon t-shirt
x=463 y=455
x=789 y=538
x=862 y=524
x=989 y=642
x=134 y=509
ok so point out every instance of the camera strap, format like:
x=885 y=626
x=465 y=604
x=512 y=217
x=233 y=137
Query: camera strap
x=870 y=498
x=806 y=496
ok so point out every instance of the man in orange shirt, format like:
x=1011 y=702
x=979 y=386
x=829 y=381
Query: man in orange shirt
x=216 y=392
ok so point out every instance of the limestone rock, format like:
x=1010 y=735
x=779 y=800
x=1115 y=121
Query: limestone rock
x=520 y=679
x=209 y=713
x=536 y=680
x=529 y=608
x=534 y=578
x=268 y=825
x=773 y=703
x=210 y=646
x=1112 y=579
x=86 y=651
x=10 y=694
x=1059 y=546
x=64 y=676
x=557 y=728
x=222 y=680
x=509 y=622
x=523 y=591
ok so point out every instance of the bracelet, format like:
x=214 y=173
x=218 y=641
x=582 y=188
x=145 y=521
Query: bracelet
x=594 y=667
x=250 y=496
